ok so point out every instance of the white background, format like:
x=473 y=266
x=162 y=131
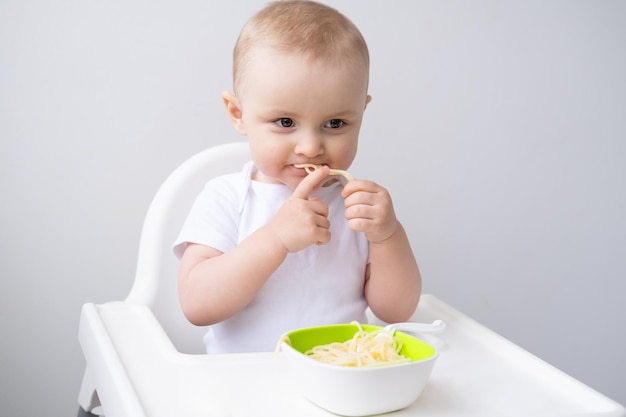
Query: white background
x=499 y=128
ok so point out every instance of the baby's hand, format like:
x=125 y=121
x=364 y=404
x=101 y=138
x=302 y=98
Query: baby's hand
x=301 y=222
x=369 y=209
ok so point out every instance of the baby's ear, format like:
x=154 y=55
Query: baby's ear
x=234 y=112
x=367 y=101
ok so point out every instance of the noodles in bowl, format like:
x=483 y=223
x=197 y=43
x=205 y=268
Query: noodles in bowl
x=373 y=348
x=391 y=382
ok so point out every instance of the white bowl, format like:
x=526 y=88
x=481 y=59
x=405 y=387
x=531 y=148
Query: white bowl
x=352 y=391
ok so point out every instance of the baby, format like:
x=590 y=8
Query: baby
x=273 y=248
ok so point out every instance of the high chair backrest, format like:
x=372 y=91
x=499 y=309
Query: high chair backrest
x=157 y=267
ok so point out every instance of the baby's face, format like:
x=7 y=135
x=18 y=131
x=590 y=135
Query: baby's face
x=297 y=111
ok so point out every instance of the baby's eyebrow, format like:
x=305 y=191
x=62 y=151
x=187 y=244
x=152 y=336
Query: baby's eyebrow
x=342 y=115
x=277 y=113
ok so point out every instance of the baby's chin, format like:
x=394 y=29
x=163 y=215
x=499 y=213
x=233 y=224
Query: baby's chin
x=260 y=176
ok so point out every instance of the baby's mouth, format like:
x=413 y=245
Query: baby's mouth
x=310 y=168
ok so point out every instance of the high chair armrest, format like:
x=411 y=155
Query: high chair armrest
x=106 y=368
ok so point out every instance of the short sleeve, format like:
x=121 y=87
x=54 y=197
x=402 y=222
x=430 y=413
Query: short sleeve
x=214 y=216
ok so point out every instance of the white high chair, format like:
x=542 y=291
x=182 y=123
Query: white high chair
x=142 y=360
x=155 y=280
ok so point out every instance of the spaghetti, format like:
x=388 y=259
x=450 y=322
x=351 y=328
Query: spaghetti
x=365 y=349
x=310 y=168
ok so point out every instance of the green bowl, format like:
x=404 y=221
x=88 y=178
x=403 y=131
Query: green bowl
x=357 y=391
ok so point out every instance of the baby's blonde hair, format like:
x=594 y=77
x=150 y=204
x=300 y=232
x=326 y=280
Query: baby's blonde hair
x=303 y=27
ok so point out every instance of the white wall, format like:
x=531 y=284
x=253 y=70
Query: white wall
x=498 y=126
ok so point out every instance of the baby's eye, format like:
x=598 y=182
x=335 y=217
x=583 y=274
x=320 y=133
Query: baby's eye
x=285 y=122
x=334 y=123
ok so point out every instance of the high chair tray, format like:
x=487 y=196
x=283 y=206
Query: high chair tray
x=138 y=372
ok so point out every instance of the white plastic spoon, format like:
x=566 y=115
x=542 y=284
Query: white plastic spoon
x=436 y=326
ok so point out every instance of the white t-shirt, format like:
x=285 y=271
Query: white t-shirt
x=315 y=286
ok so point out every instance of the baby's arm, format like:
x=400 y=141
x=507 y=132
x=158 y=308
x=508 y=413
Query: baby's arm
x=213 y=286
x=394 y=283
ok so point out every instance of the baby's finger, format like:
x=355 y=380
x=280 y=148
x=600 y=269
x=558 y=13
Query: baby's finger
x=318 y=206
x=359 y=185
x=308 y=183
